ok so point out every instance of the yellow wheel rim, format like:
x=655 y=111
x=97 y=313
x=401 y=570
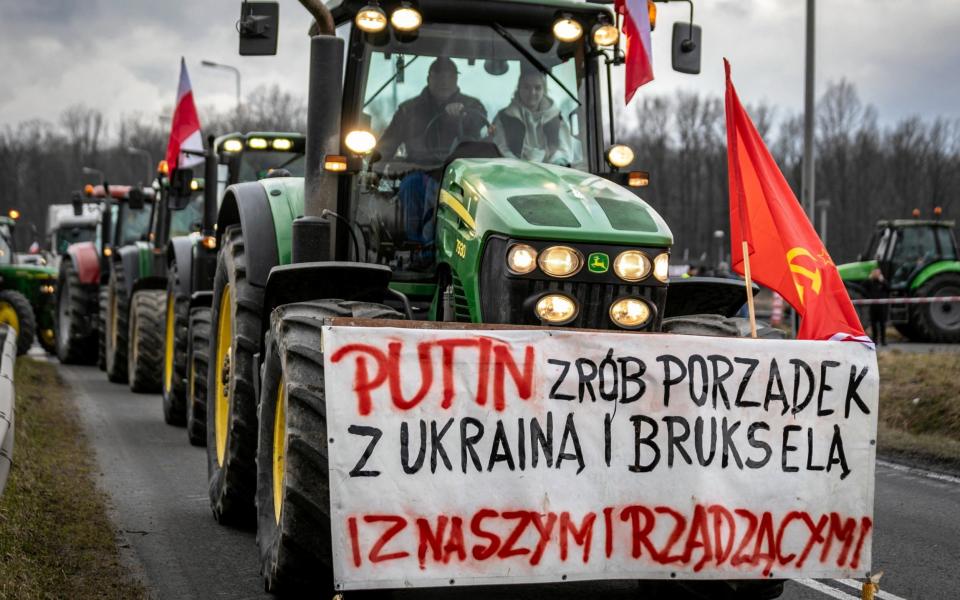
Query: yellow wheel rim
x=168 y=348
x=279 y=449
x=8 y=316
x=223 y=366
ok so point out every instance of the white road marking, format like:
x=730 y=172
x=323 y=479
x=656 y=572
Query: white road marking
x=881 y=594
x=919 y=472
x=813 y=584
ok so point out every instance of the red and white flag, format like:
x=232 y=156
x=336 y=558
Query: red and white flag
x=636 y=31
x=185 y=128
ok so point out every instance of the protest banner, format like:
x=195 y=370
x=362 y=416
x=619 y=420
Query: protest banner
x=485 y=456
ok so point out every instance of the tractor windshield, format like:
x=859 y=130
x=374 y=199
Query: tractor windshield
x=133 y=224
x=257 y=165
x=72 y=235
x=188 y=219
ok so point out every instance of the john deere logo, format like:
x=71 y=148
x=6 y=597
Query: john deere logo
x=598 y=262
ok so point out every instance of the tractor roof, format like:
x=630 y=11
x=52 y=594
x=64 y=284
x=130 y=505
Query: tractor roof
x=899 y=223
x=509 y=12
x=120 y=192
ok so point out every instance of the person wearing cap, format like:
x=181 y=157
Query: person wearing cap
x=531 y=126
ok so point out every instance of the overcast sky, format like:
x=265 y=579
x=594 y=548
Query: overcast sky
x=122 y=56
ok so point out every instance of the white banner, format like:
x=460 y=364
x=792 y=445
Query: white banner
x=461 y=457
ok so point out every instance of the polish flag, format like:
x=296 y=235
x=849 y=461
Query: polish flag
x=639 y=51
x=185 y=128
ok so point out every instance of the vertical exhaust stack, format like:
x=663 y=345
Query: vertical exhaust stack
x=211 y=187
x=313 y=235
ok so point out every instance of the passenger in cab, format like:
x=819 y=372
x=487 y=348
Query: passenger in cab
x=531 y=126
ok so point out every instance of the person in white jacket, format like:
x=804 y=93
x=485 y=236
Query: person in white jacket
x=531 y=126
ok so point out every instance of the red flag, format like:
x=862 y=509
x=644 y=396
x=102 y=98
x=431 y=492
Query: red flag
x=185 y=128
x=786 y=254
x=636 y=31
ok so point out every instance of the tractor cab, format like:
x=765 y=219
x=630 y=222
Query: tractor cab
x=904 y=248
x=255 y=155
x=125 y=216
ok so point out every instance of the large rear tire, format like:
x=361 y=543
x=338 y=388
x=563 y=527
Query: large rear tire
x=232 y=402
x=198 y=353
x=940 y=321
x=293 y=496
x=76 y=304
x=145 y=357
x=118 y=312
x=103 y=303
x=176 y=326
x=15 y=310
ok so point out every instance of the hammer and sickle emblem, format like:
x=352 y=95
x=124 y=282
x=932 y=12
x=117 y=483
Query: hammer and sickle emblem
x=816 y=281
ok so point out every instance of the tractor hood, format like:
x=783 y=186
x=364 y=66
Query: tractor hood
x=538 y=201
x=856 y=271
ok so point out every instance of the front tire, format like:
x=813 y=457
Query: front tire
x=145 y=357
x=15 y=310
x=76 y=303
x=940 y=321
x=293 y=496
x=175 y=352
x=198 y=354
x=118 y=312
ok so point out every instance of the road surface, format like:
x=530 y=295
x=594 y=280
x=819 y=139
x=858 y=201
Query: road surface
x=157 y=485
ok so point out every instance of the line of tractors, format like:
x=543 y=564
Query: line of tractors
x=211 y=287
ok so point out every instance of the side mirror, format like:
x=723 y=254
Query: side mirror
x=136 y=199
x=77 y=202
x=180 y=189
x=686 y=48
x=258 y=28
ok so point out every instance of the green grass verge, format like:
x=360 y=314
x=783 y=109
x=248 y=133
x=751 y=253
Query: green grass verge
x=55 y=538
x=920 y=406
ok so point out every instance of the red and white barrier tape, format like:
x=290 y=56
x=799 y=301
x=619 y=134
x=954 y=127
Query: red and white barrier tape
x=929 y=300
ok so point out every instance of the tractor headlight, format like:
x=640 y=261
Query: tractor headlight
x=282 y=144
x=556 y=309
x=371 y=19
x=630 y=313
x=257 y=143
x=605 y=35
x=567 y=29
x=631 y=265
x=406 y=18
x=359 y=141
x=661 y=267
x=47 y=289
x=560 y=261
x=232 y=146
x=619 y=156
x=521 y=259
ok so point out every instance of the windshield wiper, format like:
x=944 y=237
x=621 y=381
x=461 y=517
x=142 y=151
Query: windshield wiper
x=533 y=59
x=400 y=69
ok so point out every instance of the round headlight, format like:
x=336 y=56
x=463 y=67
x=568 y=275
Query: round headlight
x=521 y=259
x=371 y=19
x=630 y=313
x=360 y=141
x=632 y=265
x=556 y=309
x=406 y=18
x=661 y=267
x=619 y=155
x=560 y=261
x=567 y=29
x=605 y=35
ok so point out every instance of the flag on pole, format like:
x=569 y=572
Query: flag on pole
x=639 y=51
x=784 y=252
x=185 y=127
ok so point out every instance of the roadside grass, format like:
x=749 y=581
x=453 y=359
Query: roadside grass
x=920 y=406
x=55 y=538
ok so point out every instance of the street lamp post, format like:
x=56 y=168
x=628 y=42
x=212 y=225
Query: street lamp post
x=236 y=71
x=146 y=155
x=823 y=205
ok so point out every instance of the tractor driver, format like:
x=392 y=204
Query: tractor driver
x=429 y=127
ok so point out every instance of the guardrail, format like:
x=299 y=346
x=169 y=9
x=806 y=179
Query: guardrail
x=8 y=356
x=927 y=300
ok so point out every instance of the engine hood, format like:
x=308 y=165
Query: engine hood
x=538 y=201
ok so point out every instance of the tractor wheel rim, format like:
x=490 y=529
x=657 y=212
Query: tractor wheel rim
x=279 y=449
x=8 y=316
x=223 y=368
x=168 y=347
x=946 y=315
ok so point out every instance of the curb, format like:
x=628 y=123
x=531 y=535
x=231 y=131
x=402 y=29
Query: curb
x=8 y=356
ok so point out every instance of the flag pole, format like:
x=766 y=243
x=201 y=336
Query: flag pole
x=749 y=283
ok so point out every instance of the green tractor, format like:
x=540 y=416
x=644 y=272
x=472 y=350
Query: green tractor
x=230 y=159
x=137 y=281
x=444 y=216
x=26 y=294
x=919 y=259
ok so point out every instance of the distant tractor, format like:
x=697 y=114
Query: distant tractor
x=122 y=217
x=192 y=259
x=65 y=227
x=918 y=259
x=26 y=294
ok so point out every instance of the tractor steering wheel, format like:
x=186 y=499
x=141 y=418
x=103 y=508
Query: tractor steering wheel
x=429 y=133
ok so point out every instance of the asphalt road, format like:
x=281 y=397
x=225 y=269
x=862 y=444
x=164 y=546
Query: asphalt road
x=157 y=485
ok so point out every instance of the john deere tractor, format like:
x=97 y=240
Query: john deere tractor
x=26 y=294
x=919 y=259
x=453 y=222
x=138 y=280
x=229 y=159
x=82 y=290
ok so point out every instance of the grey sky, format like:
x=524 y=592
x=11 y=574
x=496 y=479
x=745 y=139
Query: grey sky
x=122 y=56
